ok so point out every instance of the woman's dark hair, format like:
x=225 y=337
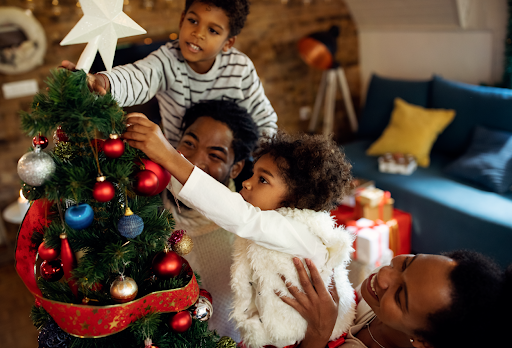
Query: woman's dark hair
x=481 y=291
x=236 y=10
x=245 y=131
x=314 y=168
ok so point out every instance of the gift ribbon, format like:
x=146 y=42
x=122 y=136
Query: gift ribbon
x=92 y=321
x=385 y=198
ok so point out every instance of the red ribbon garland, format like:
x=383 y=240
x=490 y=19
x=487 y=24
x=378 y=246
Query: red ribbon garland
x=92 y=321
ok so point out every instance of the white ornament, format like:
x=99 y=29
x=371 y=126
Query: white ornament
x=102 y=24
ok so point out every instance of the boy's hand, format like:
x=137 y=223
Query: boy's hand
x=147 y=136
x=97 y=83
x=317 y=304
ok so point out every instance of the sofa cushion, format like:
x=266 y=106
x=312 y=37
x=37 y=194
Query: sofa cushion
x=447 y=213
x=380 y=102
x=489 y=107
x=412 y=129
x=488 y=160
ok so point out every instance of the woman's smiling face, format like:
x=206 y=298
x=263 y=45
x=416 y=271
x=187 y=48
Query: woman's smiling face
x=403 y=294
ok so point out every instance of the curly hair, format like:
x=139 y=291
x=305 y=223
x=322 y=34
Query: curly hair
x=244 y=129
x=314 y=168
x=480 y=293
x=236 y=10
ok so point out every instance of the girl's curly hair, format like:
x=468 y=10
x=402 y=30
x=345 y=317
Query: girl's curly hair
x=315 y=169
x=236 y=10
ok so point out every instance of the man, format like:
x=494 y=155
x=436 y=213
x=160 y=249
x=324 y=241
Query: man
x=219 y=136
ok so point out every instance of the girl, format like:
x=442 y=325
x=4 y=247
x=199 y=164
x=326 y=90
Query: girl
x=282 y=211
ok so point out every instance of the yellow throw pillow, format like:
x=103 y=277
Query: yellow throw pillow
x=412 y=129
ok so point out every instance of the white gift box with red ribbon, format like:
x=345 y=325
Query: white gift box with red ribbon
x=371 y=242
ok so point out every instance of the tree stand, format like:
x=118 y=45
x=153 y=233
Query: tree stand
x=328 y=87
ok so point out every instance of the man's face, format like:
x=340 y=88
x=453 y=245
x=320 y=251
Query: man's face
x=204 y=32
x=208 y=144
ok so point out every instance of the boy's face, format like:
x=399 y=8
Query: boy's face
x=207 y=144
x=204 y=32
x=266 y=189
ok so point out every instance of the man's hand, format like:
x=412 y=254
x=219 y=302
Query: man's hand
x=97 y=83
x=317 y=304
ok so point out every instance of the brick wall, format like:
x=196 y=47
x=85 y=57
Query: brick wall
x=269 y=39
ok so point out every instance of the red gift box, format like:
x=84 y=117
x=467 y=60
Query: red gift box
x=402 y=221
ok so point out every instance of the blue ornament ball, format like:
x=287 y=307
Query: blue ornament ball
x=130 y=225
x=79 y=216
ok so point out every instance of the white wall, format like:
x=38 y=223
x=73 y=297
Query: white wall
x=470 y=52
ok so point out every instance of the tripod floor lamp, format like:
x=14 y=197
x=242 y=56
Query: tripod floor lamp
x=318 y=50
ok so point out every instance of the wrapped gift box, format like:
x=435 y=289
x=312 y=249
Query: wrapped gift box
x=397 y=163
x=399 y=227
x=358 y=185
x=374 y=204
x=372 y=240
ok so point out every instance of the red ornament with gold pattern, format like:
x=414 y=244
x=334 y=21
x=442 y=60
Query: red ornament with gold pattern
x=40 y=140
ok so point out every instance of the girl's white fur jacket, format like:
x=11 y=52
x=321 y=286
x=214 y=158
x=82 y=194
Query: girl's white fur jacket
x=261 y=316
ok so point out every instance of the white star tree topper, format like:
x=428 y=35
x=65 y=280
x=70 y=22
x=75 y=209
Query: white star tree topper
x=102 y=24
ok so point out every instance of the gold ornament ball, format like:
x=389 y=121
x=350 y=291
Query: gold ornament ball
x=123 y=289
x=226 y=342
x=184 y=246
x=64 y=150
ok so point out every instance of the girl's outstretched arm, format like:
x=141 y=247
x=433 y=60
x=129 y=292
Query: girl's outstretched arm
x=147 y=136
x=317 y=304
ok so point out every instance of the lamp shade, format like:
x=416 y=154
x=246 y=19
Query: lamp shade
x=318 y=49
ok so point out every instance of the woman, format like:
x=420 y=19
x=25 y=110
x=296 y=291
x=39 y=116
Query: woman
x=460 y=299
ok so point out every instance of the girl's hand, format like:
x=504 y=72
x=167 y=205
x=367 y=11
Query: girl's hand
x=317 y=304
x=147 y=136
x=97 y=83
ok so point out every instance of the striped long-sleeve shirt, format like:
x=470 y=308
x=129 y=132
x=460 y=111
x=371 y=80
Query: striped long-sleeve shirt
x=166 y=74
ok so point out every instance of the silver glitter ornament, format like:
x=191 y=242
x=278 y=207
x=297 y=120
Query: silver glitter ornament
x=36 y=167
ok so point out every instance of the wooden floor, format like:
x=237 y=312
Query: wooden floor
x=16 y=329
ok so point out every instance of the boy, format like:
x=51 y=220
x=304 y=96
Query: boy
x=219 y=136
x=201 y=65
x=281 y=212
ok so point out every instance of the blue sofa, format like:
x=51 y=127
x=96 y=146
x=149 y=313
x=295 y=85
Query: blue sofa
x=447 y=212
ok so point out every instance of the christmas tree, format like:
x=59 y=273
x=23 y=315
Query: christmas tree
x=108 y=276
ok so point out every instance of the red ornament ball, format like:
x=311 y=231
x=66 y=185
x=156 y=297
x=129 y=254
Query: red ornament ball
x=47 y=254
x=103 y=191
x=167 y=264
x=59 y=135
x=40 y=140
x=181 y=321
x=51 y=270
x=163 y=175
x=146 y=183
x=113 y=147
